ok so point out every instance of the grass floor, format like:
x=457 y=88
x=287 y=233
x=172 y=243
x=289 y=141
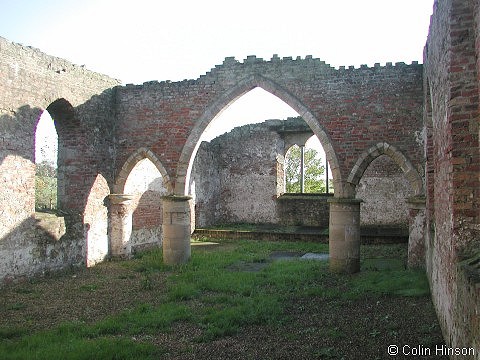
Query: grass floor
x=221 y=306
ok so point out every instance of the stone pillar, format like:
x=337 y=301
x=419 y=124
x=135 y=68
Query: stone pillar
x=176 y=229
x=120 y=225
x=344 y=235
x=302 y=168
x=416 y=236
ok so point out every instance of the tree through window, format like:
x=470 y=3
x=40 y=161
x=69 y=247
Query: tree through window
x=309 y=177
x=46 y=149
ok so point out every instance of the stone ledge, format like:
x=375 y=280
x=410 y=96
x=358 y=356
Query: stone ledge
x=178 y=198
x=367 y=237
x=344 y=200
x=305 y=196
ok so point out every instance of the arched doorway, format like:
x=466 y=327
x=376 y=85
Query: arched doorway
x=136 y=204
x=145 y=184
x=239 y=176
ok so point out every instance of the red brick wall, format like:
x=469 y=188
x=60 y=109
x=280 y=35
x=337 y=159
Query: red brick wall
x=356 y=108
x=451 y=70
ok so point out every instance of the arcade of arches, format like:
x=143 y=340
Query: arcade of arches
x=412 y=129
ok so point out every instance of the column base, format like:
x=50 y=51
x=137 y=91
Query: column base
x=344 y=266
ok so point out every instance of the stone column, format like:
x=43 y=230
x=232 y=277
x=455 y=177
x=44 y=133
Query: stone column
x=302 y=168
x=344 y=235
x=120 y=225
x=416 y=236
x=176 y=229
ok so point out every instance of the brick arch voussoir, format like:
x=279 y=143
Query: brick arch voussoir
x=231 y=95
x=396 y=155
x=133 y=159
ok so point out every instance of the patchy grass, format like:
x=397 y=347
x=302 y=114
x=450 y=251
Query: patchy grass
x=213 y=308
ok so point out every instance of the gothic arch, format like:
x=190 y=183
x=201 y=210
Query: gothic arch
x=68 y=132
x=396 y=155
x=62 y=111
x=229 y=96
x=134 y=158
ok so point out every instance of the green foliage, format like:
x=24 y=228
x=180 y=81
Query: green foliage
x=409 y=283
x=144 y=319
x=54 y=344
x=240 y=311
x=313 y=174
x=45 y=186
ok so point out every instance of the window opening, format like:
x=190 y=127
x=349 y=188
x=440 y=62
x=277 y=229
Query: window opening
x=46 y=169
x=306 y=169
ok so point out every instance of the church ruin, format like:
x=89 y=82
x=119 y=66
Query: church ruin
x=415 y=123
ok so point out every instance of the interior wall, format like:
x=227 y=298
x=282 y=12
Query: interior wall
x=384 y=190
x=146 y=185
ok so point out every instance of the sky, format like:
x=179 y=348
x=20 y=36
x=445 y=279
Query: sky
x=145 y=40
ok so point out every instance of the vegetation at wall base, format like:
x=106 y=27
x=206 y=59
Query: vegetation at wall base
x=232 y=300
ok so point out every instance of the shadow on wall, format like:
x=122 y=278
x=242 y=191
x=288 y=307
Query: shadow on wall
x=84 y=145
x=147 y=217
x=42 y=243
x=147 y=221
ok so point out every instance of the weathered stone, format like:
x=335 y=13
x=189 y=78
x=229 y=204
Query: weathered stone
x=176 y=229
x=344 y=235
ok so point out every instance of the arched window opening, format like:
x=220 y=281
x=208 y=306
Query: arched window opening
x=46 y=170
x=306 y=169
x=146 y=184
x=237 y=175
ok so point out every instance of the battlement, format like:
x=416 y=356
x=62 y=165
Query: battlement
x=49 y=63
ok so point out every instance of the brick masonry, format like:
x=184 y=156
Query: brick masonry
x=348 y=109
x=81 y=102
x=452 y=148
x=146 y=184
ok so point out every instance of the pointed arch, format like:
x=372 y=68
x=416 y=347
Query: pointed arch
x=134 y=158
x=228 y=97
x=61 y=109
x=68 y=133
x=396 y=155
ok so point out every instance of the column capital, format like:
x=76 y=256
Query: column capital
x=176 y=198
x=120 y=198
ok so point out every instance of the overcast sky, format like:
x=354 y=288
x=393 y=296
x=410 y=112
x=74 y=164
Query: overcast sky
x=144 y=40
